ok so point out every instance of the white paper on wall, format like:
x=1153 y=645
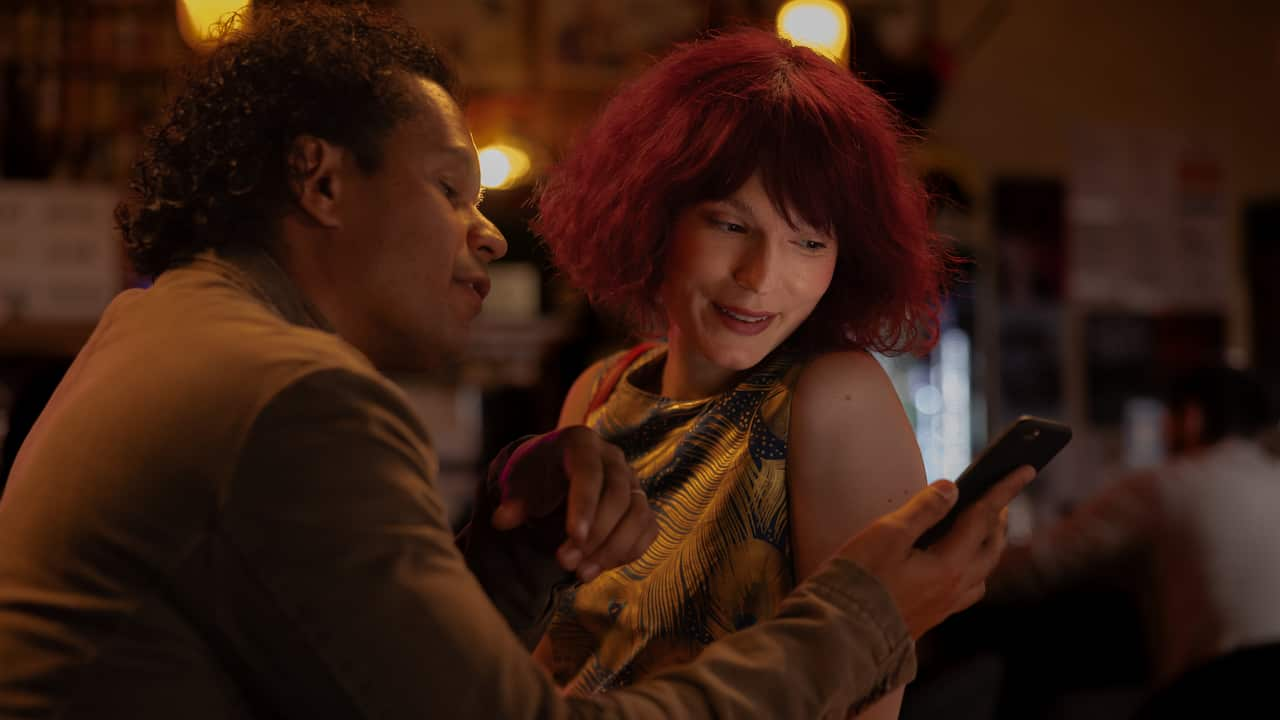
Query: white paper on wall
x=59 y=251
x=1147 y=212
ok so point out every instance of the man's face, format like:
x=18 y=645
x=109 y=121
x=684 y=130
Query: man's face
x=409 y=264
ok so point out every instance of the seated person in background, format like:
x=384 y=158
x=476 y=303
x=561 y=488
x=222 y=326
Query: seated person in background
x=228 y=511
x=1198 y=536
x=746 y=200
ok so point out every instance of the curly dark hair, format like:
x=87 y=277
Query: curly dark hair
x=216 y=168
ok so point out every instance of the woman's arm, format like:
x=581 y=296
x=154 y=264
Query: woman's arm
x=852 y=457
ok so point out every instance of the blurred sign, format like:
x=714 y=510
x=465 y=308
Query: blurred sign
x=594 y=44
x=59 y=254
x=1148 y=219
x=487 y=39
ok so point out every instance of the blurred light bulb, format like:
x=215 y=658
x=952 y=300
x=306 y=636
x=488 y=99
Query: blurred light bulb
x=822 y=25
x=502 y=166
x=197 y=19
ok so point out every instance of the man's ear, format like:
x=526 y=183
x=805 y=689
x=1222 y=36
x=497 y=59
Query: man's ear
x=315 y=177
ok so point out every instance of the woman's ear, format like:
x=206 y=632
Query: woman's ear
x=315 y=170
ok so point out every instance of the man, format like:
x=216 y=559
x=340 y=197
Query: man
x=1195 y=540
x=227 y=511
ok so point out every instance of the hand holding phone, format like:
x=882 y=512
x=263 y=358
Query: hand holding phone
x=1028 y=441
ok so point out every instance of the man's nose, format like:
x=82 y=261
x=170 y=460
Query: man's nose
x=486 y=240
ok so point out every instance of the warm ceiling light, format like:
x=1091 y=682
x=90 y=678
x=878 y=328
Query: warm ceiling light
x=822 y=25
x=197 y=19
x=502 y=166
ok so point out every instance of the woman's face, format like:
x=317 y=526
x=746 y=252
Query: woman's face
x=739 y=279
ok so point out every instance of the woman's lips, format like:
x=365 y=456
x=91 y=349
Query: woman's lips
x=743 y=321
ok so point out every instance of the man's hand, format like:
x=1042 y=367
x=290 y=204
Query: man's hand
x=929 y=585
x=607 y=520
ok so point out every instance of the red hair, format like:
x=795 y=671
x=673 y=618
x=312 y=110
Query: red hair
x=695 y=127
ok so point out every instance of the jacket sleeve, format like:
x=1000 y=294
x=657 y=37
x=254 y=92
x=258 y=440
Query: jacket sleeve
x=342 y=594
x=517 y=568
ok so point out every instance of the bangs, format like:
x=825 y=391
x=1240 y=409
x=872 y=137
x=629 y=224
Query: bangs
x=809 y=169
x=805 y=171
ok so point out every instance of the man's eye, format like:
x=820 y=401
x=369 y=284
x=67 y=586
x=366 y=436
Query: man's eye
x=449 y=192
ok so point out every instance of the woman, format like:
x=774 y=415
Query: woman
x=744 y=198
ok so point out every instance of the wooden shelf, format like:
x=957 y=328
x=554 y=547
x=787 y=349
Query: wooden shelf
x=43 y=339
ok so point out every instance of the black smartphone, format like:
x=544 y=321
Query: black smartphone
x=1028 y=441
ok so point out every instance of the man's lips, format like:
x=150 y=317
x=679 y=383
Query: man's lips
x=478 y=283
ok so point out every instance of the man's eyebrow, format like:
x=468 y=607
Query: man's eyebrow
x=461 y=153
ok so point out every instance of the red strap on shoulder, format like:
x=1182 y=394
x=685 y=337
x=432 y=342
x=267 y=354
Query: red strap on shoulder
x=610 y=381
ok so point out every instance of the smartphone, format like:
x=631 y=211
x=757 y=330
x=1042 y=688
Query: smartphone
x=1028 y=441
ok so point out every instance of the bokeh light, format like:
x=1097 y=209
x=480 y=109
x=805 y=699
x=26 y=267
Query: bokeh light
x=822 y=25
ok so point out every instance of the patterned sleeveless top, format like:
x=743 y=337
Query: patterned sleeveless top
x=715 y=473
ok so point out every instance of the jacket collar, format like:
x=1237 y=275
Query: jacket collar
x=255 y=270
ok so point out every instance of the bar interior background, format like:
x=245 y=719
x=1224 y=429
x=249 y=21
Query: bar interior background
x=1111 y=168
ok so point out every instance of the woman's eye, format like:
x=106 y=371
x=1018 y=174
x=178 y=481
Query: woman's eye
x=729 y=226
x=814 y=245
x=449 y=192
